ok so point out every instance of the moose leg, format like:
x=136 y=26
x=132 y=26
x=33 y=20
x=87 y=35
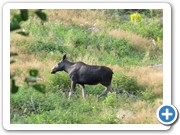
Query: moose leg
x=108 y=88
x=83 y=91
x=73 y=85
x=103 y=93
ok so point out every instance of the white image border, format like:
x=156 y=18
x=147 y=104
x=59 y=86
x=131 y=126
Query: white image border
x=6 y=64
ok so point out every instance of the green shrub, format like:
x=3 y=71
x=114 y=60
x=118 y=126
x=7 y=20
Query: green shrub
x=49 y=41
x=39 y=46
x=146 y=28
x=79 y=43
x=76 y=37
x=130 y=84
x=108 y=119
x=149 y=96
x=94 y=89
x=111 y=99
x=58 y=81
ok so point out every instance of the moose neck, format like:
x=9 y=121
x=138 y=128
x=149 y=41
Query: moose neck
x=68 y=66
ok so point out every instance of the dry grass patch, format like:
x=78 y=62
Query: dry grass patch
x=23 y=63
x=146 y=115
x=157 y=90
x=140 y=113
x=138 y=104
x=17 y=39
x=116 y=68
x=80 y=17
x=124 y=115
x=138 y=41
x=146 y=75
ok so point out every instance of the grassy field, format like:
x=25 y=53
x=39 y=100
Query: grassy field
x=98 y=37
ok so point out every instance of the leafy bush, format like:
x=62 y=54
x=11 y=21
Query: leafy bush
x=46 y=46
x=149 y=29
x=149 y=96
x=59 y=81
x=109 y=119
x=122 y=12
x=128 y=83
x=111 y=99
x=92 y=89
x=80 y=43
x=47 y=43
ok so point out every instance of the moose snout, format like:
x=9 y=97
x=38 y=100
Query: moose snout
x=53 y=71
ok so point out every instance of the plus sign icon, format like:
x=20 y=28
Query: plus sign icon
x=167 y=114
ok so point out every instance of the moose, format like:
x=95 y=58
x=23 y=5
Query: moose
x=82 y=74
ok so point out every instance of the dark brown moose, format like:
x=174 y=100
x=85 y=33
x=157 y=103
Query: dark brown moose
x=82 y=74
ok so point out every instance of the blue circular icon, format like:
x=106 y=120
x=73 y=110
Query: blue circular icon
x=167 y=114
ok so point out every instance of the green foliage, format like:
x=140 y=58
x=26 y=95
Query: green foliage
x=33 y=72
x=111 y=99
x=94 y=90
x=32 y=80
x=33 y=76
x=149 y=96
x=13 y=54
x=33 y=102
x=24 y=13
x=44 y=101
x=14 y=87
x=14 y=26
x=109 y=119
x=37 y=108
x=128 y=83
x=46 y=46
x=123 y=12
x=76 y=42
x=39 y=87
x=23 y=33
x=57 y=82
x=149 y=29
x=41 y=15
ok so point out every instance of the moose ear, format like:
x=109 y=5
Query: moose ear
x=64 y=57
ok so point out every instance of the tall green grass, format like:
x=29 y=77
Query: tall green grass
x=76 y=42
x=56 y=108
x=50 y=41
